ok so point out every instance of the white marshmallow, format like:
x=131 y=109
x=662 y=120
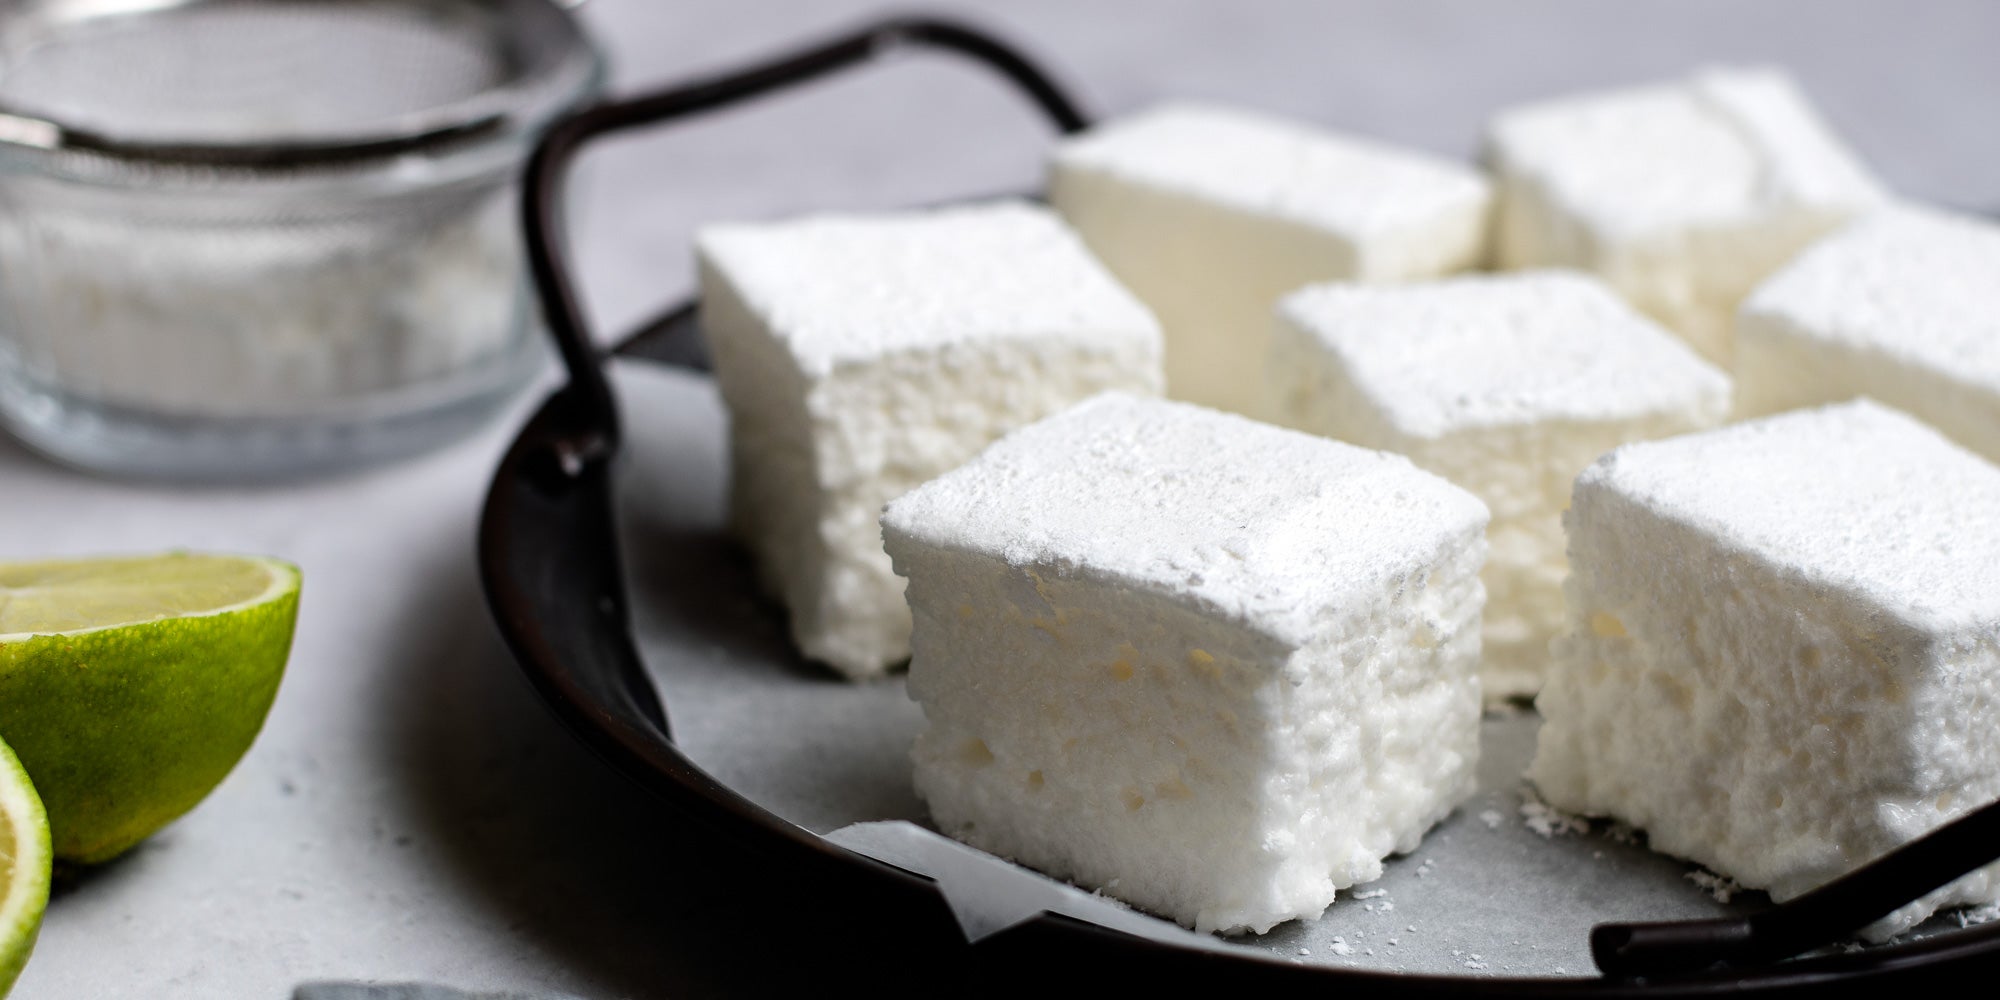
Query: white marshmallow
x=1683 y=196
x=1210 y=214
x=1214 y=668
x=860 y=356
x=1903 y=306
x=1508 y=385
x=1784 y=648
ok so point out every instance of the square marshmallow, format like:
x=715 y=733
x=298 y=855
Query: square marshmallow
x=1903 y=306
x=1682 y=195
x=1212 y=667
x=1210 y=214
x=860 y=356
x=1784 y=648
x=1508 y=385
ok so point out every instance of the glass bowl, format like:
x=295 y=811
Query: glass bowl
x=245 y=241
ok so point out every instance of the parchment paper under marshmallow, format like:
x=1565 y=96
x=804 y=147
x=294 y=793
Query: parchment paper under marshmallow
x=1682 y=195
x=1903 y=306
x=1210 y=214
x=1211 y=667
x=862 y=355
x=1508 y=385
x=1783 y=657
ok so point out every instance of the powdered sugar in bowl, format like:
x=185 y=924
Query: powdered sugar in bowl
x=250 y=241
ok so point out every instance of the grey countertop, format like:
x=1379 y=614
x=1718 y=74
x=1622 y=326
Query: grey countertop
x=410 y=811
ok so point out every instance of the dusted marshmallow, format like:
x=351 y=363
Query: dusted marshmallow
x=1783 y=657
x=1683 y=196
x=1211 y=667
x=1903 y=306
x=1211 y=214
x=860 y=356
x=1507 y=385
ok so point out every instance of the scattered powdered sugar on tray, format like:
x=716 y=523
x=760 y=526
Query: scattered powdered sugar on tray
x=1622 y=832
x=1722 y=887
x=1491 y=818
x=1546 y=819
x=1342 y=948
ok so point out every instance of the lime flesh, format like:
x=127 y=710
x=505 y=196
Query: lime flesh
x=130 y=687
x=24 y=867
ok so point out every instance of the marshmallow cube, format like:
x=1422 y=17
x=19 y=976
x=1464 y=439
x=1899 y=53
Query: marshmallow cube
x=1682 y=195
x=1783 y=657
x=1211 y=667
x=1210 y=214
x=1508 y=385
x=1903 y=307
x=860 y=356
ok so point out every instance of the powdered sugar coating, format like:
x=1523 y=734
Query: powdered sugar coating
x=1209 y=215
x=1268 y=529
x=836 y=289
x=1899 y=306
x=1874 y=504
x=1487 y=350
x=1270 y=166
x=1722 y=145
x=1681 y=195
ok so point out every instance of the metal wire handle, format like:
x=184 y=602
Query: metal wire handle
x=1822 y=916
x=542 y=187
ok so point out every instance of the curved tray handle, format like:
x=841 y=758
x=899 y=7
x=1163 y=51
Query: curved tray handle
x=542 y=186
x=548 y=554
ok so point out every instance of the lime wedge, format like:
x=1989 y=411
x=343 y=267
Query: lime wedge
x=79 y=595
x=131 y=686
x=24 y=867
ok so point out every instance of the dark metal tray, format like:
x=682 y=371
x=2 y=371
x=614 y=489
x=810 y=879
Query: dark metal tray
x=552 y=561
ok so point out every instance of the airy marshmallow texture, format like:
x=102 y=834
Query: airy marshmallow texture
x=1508 y=385
x=1211 y=667
x=860 y=356
x=1210 y=214
x=1783 y=657
x=1682 y=195
x=1903 y=307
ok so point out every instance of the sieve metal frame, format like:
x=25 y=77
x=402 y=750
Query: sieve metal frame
x=559 y=67
x=550 y=564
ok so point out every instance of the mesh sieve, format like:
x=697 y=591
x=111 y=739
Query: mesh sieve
x=262 y=81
